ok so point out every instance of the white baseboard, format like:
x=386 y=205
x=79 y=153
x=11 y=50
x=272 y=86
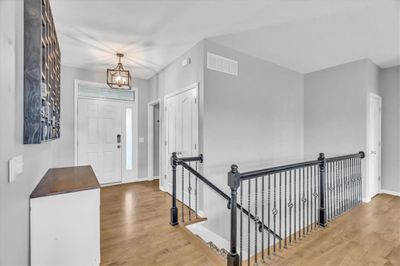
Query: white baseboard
x=366 y=200
x=207 y=235
x=390 y=192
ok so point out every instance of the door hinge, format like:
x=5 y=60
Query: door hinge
x=195 y=146
x=379 y=178
x=195 y=100
x=165 y=143
x=165 y=108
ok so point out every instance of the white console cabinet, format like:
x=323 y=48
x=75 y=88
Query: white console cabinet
x=65 y=218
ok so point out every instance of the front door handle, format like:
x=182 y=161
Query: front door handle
x=119 y=138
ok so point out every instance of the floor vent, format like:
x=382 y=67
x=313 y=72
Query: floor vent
x=222 y=64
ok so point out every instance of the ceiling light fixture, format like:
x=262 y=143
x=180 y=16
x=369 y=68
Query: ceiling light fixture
x=119 y=78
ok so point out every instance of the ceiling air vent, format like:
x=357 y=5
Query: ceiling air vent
x=222 y=64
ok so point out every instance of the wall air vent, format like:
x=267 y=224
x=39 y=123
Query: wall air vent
x=222 y=64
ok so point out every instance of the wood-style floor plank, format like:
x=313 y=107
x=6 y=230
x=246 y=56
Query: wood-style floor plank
x=135 y=230
x=367 y=235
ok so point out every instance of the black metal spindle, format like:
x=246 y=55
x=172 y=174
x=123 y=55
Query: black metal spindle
x=174 y=209
x=269 y=214
x=196 y=193
x=274 y=212
x=316 y=196
x=304 y=202
x=308 y=197
x=312 y=196
x=190 y=195
x=248 y=221
x=295 y=205
x=256 y=220
x=285 y=206
x=300 y=174
x=280 y=209
x=183 y=195
x=241 y=224
x=290 y=205
x=262 y=216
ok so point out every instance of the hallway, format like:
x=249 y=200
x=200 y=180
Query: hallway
x=135 y=230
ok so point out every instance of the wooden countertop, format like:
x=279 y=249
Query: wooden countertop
x=66 y=180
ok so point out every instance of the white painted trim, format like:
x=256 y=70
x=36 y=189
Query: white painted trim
x=189 y=87
x=150 y=136
x=390 y=192
x=135 y=105
x=209 y=236
x=366 y=200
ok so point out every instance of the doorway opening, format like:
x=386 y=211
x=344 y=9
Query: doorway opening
x=154 y=139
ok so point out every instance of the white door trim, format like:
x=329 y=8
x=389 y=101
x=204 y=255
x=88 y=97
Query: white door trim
x=370 y=180
x=150 y=137
x=135 y=105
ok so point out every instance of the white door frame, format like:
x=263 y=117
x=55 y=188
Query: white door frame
x=134 y=106
x=370 y=179
x=165 y=160
x=150 y=138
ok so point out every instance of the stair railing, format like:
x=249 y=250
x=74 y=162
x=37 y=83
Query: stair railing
x=185 y=165
x=314 y=193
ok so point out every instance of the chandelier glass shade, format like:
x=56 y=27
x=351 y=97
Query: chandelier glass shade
x=118 y=77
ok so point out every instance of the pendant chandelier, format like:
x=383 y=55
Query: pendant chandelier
x=119 y=78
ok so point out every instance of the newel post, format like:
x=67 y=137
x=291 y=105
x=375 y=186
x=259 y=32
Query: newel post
x=322 y=192
x=233 y=183
x=174 y=209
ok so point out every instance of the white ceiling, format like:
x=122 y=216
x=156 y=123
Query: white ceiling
x=303 y=35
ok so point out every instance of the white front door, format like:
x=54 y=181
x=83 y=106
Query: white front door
x=374 y=160
x=182 y=119
x=99 y=138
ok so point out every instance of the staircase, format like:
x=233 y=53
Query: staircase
x=273 y=209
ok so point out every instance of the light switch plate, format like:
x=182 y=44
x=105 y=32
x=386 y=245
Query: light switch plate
x=15 y=167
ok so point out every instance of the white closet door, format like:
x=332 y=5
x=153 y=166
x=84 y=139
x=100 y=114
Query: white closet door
x=99 y=124
x=182 y=119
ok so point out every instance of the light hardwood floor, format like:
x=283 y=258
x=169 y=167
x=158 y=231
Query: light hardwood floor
x=367 y=235
x=135 y=230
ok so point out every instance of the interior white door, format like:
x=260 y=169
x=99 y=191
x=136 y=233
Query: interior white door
x=375 y=144
x=182 y=119
x=99 y=138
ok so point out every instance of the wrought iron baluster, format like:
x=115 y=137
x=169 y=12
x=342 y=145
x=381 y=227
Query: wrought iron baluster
x=256 y=220
x=360 y=179
x=347 y=185
x=316 y=194
x=336 y=189
x=285 y=206
x=311 y=197
x=327 y=191
x=308 y=197
x=190 y=195
x=295 y=205
x=183 y=195
x=304 y=202
x=241 y=224
x=274 y=212
x=342 y=187
x=280 y=209
x=290 y=205
x=262 y=217
x=248 y=221
x=300 y=172
x=352 y=182
x=196 y=192
x=269 y=214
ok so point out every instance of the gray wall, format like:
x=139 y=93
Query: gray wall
x=174 y=78
x=14 y=197
x=254 y=119
x=390 y=88
x=336 y=103
x=63 y=148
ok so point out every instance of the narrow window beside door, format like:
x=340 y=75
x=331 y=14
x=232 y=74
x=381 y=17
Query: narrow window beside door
x=129 y=136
